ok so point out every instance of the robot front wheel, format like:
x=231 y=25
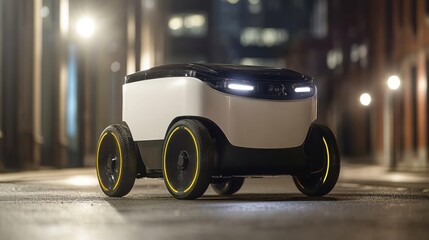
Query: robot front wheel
x=116 y=161
x=322 y=149
x=187 y=159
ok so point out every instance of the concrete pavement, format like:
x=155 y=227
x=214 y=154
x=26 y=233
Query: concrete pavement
x=367 y=172
x=68 y=204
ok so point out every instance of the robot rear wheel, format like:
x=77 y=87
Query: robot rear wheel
x=228 y=186
x=321 y=148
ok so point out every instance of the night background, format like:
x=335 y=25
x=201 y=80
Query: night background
x=62 y=67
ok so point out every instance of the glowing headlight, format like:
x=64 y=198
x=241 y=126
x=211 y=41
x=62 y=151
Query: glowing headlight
x=240 y=87
x=302 y=89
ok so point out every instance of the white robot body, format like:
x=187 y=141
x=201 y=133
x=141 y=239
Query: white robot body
x=150 y=106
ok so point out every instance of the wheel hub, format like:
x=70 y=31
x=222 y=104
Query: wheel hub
x=111 y=162
x=182 y=160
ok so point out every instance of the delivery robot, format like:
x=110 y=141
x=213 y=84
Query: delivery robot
x=196 y=125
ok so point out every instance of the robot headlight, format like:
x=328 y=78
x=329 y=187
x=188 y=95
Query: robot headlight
x=305 y=89
x=244 y=87
x=265 y=89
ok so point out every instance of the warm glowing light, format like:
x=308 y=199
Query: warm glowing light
x=302 y=89
x=194 y=21
x=240 y=87
x=64 y=16
x=85 y=27
x=365 y=99
x=232 y=1
x=146 y=60
x=175 y=23
x=393 y=82
x=263 y=37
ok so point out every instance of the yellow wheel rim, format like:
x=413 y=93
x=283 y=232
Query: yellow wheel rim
x=97 y=161
x=327 y=160
x=194 y=179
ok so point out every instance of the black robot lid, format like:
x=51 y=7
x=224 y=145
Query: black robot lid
x=226 y=71
x=249 y=81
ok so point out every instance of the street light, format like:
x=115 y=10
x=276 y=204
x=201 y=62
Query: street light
x=393 y=82
x=365 y=99
x=85 y=27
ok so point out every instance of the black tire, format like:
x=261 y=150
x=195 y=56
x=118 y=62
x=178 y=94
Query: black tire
x=321 y=148
x=116 y=161
x=228 y=186
x=187 y=159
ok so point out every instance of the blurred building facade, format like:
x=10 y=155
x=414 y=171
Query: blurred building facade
x=59 y=89
x=403 y=44
x=367 y=42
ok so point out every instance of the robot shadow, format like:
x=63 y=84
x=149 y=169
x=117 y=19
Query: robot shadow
x=270 y=197
x=138 y=200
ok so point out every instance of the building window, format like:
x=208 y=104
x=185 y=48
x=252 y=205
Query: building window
x=255 y=6
x=359 y=54
x=193 y=25
x=334 y=58
x=263 y=37
x=319 y=27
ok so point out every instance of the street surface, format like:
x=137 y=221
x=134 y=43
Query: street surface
x=367 y=203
